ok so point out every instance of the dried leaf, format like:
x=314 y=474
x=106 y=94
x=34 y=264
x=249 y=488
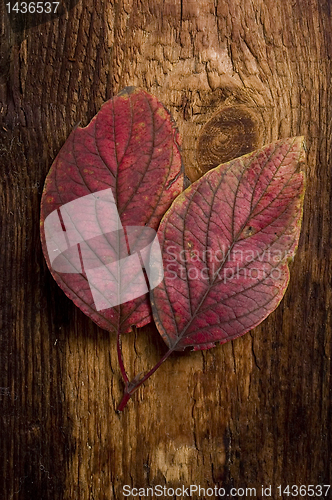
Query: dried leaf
x=226 y=244
x=110 y=183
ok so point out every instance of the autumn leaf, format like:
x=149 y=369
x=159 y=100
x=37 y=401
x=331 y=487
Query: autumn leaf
x=226 y=243
x=106 y=192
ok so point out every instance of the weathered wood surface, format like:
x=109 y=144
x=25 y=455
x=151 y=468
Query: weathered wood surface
x=255 y=411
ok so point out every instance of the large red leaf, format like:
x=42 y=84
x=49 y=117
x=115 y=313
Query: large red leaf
x=128 y=153
x=226 y=243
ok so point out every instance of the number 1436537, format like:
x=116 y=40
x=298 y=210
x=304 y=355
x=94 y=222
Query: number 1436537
x=304 y=490
x=33 y=7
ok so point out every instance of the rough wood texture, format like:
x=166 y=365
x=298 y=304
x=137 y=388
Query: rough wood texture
x=255 y=411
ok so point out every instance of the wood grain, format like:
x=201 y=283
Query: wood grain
x=255 y=411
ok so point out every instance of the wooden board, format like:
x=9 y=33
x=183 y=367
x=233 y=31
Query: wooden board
x=256 y=411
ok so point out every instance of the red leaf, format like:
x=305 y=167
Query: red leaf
x=226 y=243
x=129 y=150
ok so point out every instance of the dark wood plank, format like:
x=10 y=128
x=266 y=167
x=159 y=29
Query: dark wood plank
x=255 y=411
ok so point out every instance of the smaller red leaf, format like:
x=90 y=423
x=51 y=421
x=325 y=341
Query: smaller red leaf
x=103 y=200
x=226 y=242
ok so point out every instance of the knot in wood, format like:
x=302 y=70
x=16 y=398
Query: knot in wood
x=232 y=131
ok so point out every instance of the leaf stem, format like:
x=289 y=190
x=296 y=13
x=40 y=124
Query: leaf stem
x=132 y=386
x=120 y=359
